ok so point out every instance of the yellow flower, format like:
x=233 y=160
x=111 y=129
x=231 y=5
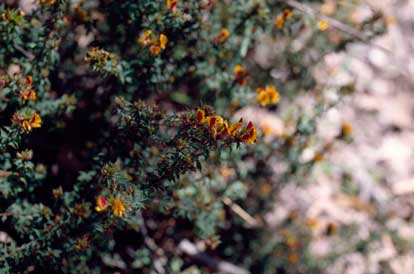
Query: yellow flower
x=240 y=74
x=32 y=95
x=118 y=208
x=26 y=126
x=101 y=204
x=222 y=37
x=171 y=4
x=214 y=122
x=28 y=95
x=323 y=25
x=163 y=41
x=268 y=95
x=156 y=45
x=145 y=38
x=279 y=21
x=36 y=121
x=346 y=130
x=50 y=2
x=250 y=135
x=273 y=94
x=234 y=128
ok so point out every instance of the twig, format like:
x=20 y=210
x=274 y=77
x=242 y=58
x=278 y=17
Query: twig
x=241 y=212
x=26 y=53
x=191 y=250
x=334 y=23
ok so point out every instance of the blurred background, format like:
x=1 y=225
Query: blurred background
x=379 y=199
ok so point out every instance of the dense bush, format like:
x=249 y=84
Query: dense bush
x=113 y=144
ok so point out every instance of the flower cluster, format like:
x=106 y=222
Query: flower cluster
x=97 y=55
x=267 y=95
x=28 y=121
x=27 y=92
x=281 y=19
x=117 y=206
x=154 y=42
x=220 y=127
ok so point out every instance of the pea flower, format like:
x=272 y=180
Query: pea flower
x=240 y=74
x=171 y=4
x=250 y=134
x=268 y=95
x=101 y=203
x=27 y=92
x=118 y=208
x=156 y=45
x=201 y=116
x=28 y=123
x=281 y=19
x=28 y=95
x=145 y=38
x=221 y=38
x=323 y=25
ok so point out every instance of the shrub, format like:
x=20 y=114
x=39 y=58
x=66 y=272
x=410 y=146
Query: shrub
x=113 y=144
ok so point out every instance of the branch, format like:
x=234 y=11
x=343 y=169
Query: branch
x=334 y=23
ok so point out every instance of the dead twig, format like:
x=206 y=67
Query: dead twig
x=334 y=23
x=249 y=219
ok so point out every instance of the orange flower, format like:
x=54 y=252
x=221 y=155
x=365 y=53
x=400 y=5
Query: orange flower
x=240 y=74
x=101 y=204
x=155 y=50
x=250 y=135
x=222 y=37
x=287 y=13
x=279 y=21
x=171 y=4
x=118 y=208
